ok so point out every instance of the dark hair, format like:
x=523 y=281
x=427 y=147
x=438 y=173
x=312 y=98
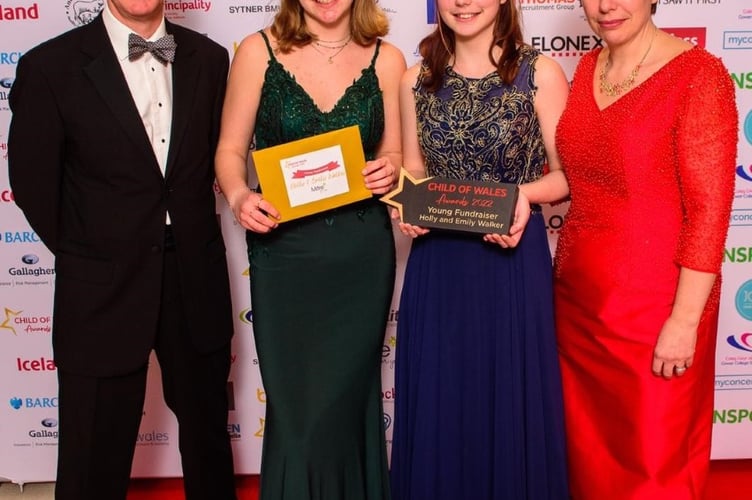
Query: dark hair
x=438 y=47
x=367 y=23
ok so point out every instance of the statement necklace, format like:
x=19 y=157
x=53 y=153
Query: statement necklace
x=337 y=48
x=614 y=89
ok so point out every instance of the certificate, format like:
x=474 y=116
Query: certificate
x=454 y=204
x=312 y=175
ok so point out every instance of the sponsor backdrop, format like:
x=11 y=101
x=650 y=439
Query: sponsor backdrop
x=28 y=392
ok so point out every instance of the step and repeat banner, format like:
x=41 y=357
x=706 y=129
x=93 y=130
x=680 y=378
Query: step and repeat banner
x=28 y=390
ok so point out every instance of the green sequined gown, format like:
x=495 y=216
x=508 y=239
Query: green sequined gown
x=321 y=289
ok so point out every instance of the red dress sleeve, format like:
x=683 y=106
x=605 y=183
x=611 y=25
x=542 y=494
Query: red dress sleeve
x=706 y=138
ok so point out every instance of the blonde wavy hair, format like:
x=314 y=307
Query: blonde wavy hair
x=367 y=23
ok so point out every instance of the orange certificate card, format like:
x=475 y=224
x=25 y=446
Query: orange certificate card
x=312 y=175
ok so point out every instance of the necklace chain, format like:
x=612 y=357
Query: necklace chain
x=338 y=48
x=615 y=89
x=324 y=43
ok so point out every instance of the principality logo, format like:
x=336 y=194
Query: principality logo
x=82 y=12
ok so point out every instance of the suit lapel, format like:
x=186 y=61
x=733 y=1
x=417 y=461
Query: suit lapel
x=185 y=72
x=107 y=77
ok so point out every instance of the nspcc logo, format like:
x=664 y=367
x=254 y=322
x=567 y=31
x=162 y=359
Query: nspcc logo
x=743 y=300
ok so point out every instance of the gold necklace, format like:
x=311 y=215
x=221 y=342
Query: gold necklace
x=614 y=89
x=338 y=48
x=324 y=43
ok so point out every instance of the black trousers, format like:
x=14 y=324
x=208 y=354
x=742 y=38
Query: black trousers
x=100 y=417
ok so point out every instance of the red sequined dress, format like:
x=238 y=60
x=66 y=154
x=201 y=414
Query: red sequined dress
x=651 y=179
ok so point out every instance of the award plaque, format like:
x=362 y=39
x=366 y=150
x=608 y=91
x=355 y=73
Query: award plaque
x=454 y=204
x=311 y=175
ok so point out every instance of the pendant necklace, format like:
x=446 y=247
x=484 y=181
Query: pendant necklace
x=615 y=89
x=338 y=48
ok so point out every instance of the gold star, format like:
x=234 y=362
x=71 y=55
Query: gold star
x=8 y=315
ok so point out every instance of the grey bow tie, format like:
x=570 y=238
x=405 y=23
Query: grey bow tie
x=163 y=49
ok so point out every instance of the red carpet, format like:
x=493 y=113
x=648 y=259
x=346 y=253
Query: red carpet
x=729 y=480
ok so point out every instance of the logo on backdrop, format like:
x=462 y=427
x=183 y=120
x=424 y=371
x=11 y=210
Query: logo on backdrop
x=35 y=365
x=177 y=10
x=152 y=438
x=246 y=316
x=6 y=195
x=695 y=36
x=252 y=9
x=690 y=3
x=24 y=274
x=735 y=40
x=559 y=46
x=732 y=416
x=234 y=431
x=18 y=403
x=19 y=12
x=19 y=237
x=738 y=255
x=743 y=300
x=16 y=322
x=743 y=80
x=742 y=341
x=82 y=12
x=387 y=421
x=748 y=127
x=549 y=5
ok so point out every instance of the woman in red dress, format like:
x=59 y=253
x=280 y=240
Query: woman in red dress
x=648 y=143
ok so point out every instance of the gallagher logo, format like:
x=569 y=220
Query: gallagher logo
x=6 y=83
x=29 y=260
x=82 y=12
x=15 y=322
x=18 y=403
x=20 y=13
x=742 y=341
x=695 y=36
x=743 y=300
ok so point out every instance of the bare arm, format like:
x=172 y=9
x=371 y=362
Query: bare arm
x=236 y=133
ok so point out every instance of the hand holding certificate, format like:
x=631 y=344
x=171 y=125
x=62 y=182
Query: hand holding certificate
x=454 y=204
x=311 y=175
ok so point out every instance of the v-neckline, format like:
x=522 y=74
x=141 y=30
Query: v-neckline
x=313 y=103
x=625 y=96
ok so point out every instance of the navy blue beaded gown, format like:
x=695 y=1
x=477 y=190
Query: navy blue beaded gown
x=478 y=410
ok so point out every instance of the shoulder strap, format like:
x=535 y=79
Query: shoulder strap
x=376 y=52
x=268 y=45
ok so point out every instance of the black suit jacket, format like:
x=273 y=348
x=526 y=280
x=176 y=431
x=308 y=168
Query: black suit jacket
x=84 y=173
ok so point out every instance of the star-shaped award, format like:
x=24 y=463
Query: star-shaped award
x=454 y=204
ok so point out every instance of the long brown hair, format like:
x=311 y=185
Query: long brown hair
x=367 y=23
x=438 y=47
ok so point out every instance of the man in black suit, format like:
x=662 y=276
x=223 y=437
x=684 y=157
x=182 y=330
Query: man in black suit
x=110 y=156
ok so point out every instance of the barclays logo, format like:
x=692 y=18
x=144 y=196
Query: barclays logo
x=6 y=83
x=16 y=403
x=49 y=422
x=30 y=259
